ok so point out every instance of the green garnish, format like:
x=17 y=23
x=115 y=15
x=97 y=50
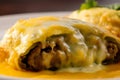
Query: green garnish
x=93 y=3
x=114 y=6
x=88 y=4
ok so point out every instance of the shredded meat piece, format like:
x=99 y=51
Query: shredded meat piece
x=33 y=61
x=113 y=53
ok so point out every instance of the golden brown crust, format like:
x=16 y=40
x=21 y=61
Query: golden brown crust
x=4 y=55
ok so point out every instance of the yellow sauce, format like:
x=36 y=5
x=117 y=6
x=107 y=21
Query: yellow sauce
x=111 y=71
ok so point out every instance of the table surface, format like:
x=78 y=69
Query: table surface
x=28 y=6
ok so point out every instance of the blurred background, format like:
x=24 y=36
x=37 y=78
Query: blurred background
x=28 y=6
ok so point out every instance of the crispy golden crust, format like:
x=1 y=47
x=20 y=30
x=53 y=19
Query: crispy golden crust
x=4 y=55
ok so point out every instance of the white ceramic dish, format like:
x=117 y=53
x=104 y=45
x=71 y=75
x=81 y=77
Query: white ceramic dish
x=8 y=20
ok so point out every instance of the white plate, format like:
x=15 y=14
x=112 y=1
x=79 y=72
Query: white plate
x=8 y=20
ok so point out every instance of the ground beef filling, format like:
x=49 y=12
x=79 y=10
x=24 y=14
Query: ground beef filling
x=113 y=53
x=33 y=61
